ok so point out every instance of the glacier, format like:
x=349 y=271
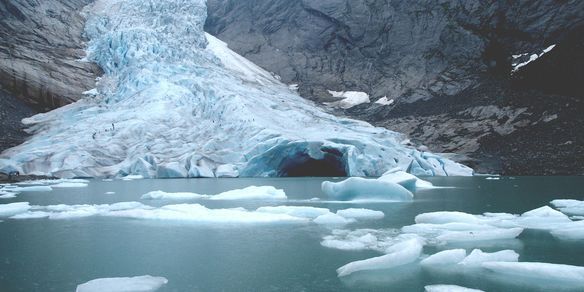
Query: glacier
x=177 y=102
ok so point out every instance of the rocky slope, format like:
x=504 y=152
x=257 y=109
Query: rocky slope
x=40 y=46
x=448 y=66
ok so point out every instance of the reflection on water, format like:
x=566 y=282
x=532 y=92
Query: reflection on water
x=57 y=255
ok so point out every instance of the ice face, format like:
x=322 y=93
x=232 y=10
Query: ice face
x=356 y=188
x=145 y=283
x=175 y=102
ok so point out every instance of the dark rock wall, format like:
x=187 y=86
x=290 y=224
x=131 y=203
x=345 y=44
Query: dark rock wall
x=40 y=46
x=447 y=64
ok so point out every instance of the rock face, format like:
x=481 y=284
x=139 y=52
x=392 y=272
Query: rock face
x=40 y=46
x=446 y=64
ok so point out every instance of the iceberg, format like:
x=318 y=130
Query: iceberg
x=400 y=254
x=176 y=102
x=145 y=283
x=356 y=188
x=332 y=219
x=479 y=235
x=449 y=288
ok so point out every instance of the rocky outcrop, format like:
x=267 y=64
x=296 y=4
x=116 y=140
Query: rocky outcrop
x=41 y=45
x=446 y=64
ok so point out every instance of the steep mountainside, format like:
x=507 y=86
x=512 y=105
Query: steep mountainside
x=449 y=66
x=176 y=102
x=40 y=46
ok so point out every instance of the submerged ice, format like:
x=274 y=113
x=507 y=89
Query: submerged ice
x=175 y=102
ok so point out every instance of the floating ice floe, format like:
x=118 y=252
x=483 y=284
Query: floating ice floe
x=19 y=189
x=109 y=193
x=176 y=102
x=296 y=211
x=7 y=210
x=360 y=213
x=333 y=219
x=356 y=188
x=445 y=257
x=7 y=195
x=364 y=239
x=161 y=195
x=570 y=207
x=407 y=180
x=477 y=257
x=397 y=255
x=145 y=283
x=448 y=288
x=69 y=185
x=252 y=193
x=539 y=271
x=248 y=193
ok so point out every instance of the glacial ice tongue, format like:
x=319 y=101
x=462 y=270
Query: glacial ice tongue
x=175 y=102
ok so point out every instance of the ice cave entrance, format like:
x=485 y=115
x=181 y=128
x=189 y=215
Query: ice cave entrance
x=332 y=163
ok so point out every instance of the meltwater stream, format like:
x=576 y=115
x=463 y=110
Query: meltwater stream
x=57 y=255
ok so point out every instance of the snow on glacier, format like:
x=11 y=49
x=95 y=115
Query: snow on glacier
x=177 y=102
x=144 y=283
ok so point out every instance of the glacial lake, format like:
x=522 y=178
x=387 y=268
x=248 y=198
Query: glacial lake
x=57 y=255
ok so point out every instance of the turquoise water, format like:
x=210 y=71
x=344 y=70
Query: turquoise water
x=57 y=255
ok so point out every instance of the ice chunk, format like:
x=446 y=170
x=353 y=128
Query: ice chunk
x=69 y=185
x=109 y=193
x=479 y=235
x=160 y=195
x=31 y=215
x=7 y=195
x=332 y=219
x=360 y=213
x=546 y=212
x=573 y=231
x=296 y=211
x=446 y=257
x=365 y=239
x=538 y=271
x=442 y=217
x=226 y=170
x=7 y=210
x=252 y=193
x=400 y=254
x=449 y=288
x=356 y=188
x=145 y=283
x=32 y=189
x=385 y=101
x=477 y=257
x=407 y=180
x=572 y=207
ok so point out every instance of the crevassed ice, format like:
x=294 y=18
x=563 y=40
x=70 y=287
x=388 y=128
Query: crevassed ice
x=175 y=102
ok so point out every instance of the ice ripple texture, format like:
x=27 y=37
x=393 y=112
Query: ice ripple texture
x=176 y=102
